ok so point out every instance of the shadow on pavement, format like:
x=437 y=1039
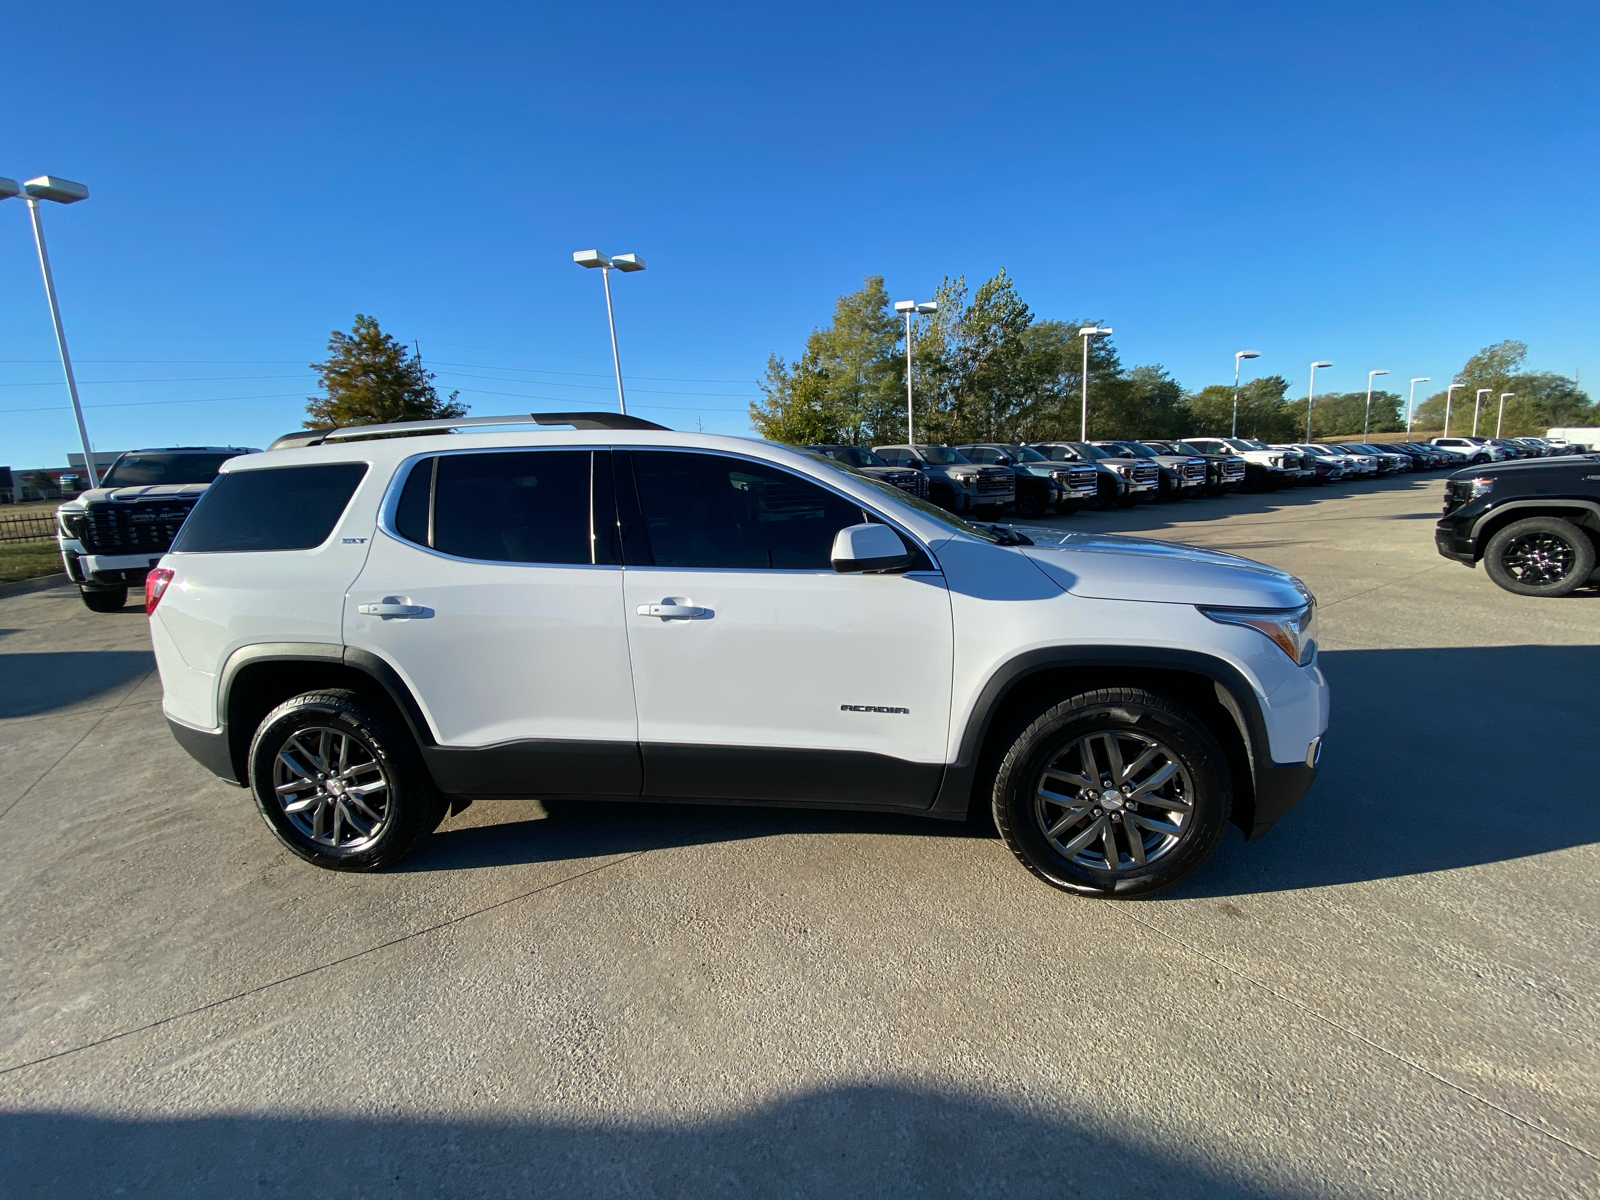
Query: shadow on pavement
x=40 y=683
x=1435 y=759
x=850 y=1141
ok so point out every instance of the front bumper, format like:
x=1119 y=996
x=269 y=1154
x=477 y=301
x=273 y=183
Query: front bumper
x=1452 y=545
x=1279 y=787
x=105 y=570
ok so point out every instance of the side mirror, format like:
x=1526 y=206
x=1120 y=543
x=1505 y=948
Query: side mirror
x=869 y=548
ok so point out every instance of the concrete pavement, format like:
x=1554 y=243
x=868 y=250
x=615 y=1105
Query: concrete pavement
x=1393 y=993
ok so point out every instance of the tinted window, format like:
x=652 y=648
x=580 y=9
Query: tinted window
x=528 y=506
x=280 y=508
x=897 y=458
x=411 y=514
x=943 y=456
x=153 y=470
x=703 y=510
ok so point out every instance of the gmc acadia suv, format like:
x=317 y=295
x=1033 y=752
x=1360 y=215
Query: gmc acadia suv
x=369 y=634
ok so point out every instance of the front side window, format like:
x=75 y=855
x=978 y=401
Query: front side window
x=516 y=506
x=943 y=456
x=707 y=511
x=279 y=508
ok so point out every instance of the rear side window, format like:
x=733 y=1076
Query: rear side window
x=516 y=506
x=279 y=508
x=703 y=510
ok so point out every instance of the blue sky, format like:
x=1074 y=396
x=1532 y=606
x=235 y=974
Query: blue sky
x=1382 y=186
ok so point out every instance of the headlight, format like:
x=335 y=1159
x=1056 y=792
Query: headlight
x=1125 y=472
x=1482 y=487
x=73 y=524
x=966 y=477
x=1292 y=630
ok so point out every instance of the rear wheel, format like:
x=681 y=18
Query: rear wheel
x=1031 y=502
x=109 y=599
x=1540 y=556
x=1116 y=793
x=339 y=785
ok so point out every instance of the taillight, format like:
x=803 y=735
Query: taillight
x=155 y=587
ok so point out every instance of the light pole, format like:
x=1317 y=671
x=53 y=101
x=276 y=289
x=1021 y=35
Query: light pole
x=1312 y=395
x=911 y=308
x=62 y=191
x=608 y=263
x=1500 y=424
x=1478 y=404
x=1087 y=332
x=1411 y=404
x=1448 y=392
x=1240 y=355
x=1367 y=420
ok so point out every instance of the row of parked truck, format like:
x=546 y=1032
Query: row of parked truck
x=1031 y=479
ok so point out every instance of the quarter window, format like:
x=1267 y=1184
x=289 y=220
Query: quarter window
x=277 y=508
x=704 y=510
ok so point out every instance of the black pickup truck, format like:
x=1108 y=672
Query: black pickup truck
x=1534 y=524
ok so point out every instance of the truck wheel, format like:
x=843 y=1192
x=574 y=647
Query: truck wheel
x=1116 y=793
x=339 y=785
x=1539 y=556
x=1105 y=494
x=111 y=599
x=1031 y=503
x=941 y=495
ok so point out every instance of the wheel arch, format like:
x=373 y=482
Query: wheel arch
x=1215 y=691
x=256 y=679
x=1583 y=513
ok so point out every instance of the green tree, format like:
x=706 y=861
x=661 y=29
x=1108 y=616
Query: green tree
x=371 y=379
x=1341 y=414
x=1539 y=399
x=1144 y=402
x=1262 y=411
x=849 y=384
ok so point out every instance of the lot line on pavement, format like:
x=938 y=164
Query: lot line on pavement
x=1358 y=1036
x=346 y=958
x=67 y=753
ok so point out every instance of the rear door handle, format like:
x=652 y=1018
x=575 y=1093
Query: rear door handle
x=670 y=610
x=392 y=610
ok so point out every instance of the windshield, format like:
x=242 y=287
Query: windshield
x=855 y=456
x=1138 y=449
x=1029 y=454
x=1186 y=448
x=942 y=456
x=155 y=470
x=1240 y=444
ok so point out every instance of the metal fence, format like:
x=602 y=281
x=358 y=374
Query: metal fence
x=36 y=528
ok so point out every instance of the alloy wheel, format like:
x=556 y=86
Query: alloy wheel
x=1538 y=558
x=1114 y=800
x=332 y=787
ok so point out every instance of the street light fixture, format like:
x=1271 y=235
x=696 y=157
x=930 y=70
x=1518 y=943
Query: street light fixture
x=608 y=263
x=1240 y=355
x=911 y=308
x=1448 y=392
x=60 y=191
x=1500 y=424
x=1478 y=404
x=1311 y=396
x=1367 y=420
x=1411 y=405
x=1087 y=332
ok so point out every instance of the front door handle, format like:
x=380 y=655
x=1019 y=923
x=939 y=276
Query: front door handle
x=388 y=609
x=670 y=610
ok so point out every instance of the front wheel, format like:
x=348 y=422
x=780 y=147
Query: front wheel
x=1116 y=793
x=1031 y=503
x=338 y=785
x=103 y=600
x=1540 y=556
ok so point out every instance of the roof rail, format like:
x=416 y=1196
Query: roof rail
x=577 y=420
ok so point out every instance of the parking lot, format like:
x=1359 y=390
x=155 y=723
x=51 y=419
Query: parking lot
x=1392 y=994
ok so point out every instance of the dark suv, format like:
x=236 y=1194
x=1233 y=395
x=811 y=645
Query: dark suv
x=1532 y=523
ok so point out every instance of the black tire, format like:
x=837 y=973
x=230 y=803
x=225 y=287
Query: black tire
x=1540 y=556
x=942 y=495
x=110 y=599
x=1032 y=502
x=357 y=831
x=1174 y=841
x=1105 y=494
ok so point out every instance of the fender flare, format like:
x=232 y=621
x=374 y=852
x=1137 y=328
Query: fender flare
x=1589 y=507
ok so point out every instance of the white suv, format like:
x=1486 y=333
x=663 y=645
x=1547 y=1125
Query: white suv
x=371 y=633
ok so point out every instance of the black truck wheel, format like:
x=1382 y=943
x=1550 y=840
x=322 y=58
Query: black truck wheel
x=1539 y=556
x=104 y=599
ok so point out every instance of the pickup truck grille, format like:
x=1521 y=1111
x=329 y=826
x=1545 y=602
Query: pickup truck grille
x=1146 y=473
x=995 y=483
x=1078 y=479
x=1195 y=470
x=1233 y=468
x=133 y=528
x=914 y=482
x=1456 y=493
